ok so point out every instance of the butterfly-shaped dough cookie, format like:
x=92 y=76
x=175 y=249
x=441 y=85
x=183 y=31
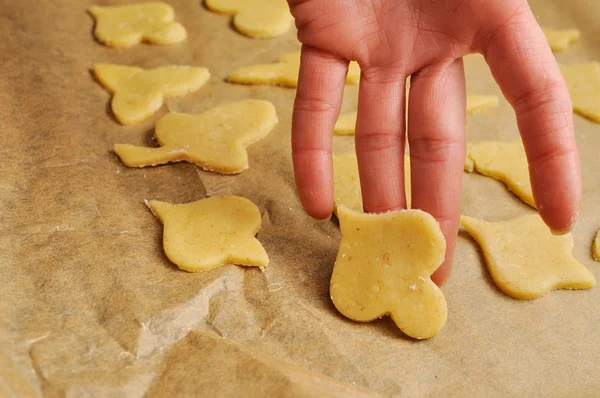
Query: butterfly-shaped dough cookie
x=211 y=232
x=583 y=82
x=503 y=161
x=384 y=266
x=346 y=123
x=215 y=140
x=559 y=40
x=138 y=93
x=128 y=25
x=346 y=182
x=284 y=72
x=525 y=259
x=256 y=18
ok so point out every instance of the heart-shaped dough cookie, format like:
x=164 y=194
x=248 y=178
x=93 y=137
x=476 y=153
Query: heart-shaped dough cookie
x=384 y=266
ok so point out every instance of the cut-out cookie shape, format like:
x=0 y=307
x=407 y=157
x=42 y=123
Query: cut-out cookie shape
x=284 y=72
x=502 y=161
x=525 y=259
x=383 y=267
x=559 y=40
x=596 y=247
x=346 y=182
x=125 y=26
x=256 y=18
x=215 y=140
x=138 y=93
x=583 y=82
x=211 y=232
x=346 y=123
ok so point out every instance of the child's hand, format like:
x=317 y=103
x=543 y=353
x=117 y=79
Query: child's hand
x=392 y=39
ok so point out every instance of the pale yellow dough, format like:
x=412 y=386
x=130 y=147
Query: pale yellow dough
x=256 y=18
x=211 y=232
x=583 y=82
x=559 y=40
x=284 y=72
x=346 y=123
x=125 y=26
x=525 y=259
x=215 y=140
x=503 y=161
x=596 y=247
x=346 y=182
x=139 y=93
x=384 y=266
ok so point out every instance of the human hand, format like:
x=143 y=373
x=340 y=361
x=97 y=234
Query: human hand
x=426 y=39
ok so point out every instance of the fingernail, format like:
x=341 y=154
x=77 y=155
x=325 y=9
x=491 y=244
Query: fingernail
x=568 y=229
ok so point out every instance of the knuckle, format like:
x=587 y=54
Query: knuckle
x=377 y=142
x=548 y=95
x=434 y=149
x=305 y=103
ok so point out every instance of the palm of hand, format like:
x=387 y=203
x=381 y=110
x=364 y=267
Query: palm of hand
x=426 y=40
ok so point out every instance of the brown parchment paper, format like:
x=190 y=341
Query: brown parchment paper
x=90 y=306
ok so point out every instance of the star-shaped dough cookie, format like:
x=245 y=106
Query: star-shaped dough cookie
x=211 y=232
x=346 y=182
x=125 y=26
x=138 y=93
x=583 y=82
x=346 y=123
x=503 y=161
x=256 y=18
x=215 y=140
x=525 y=259
x=383 y=267
x=282 y=73
x=559 y=40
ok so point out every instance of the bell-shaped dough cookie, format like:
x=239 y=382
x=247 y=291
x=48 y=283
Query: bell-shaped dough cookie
x=128 y=25
x=284 y=72
x=256 y=18
x=383 y=267
x=559 y=40
x=215 y=140
x=346 y=123
x=138 y=93
x=346 y=182
x=503 y=161
x=525 y=259
x=211 y=232
x=583 y=82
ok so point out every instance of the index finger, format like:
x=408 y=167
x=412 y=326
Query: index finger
x=524 y=67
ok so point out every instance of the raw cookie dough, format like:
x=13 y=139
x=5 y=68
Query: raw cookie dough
x=215 y=140
x=525 y=259
x=346 y=123
x=583 y=82
x=211 y=232
x=138 y=93
x=596 y=247
x=282 y=73
x=346 y=182
x=559 y=40
x=503 y=161
x=383 y=267
x=256 y=18
x=125 y=26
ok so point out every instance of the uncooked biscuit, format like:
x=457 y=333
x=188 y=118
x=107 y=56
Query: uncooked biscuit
x=384 y=266
x=139 y=93
x=211 y=232
x=596 y=247
x=346 y=123
x=525 y=259
x=346 y=182
x=503 y=161
x=559 y=40
x=583 y=82
x=284 y=72
x=128 y=25
x=256 y=18
x=215 y=140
